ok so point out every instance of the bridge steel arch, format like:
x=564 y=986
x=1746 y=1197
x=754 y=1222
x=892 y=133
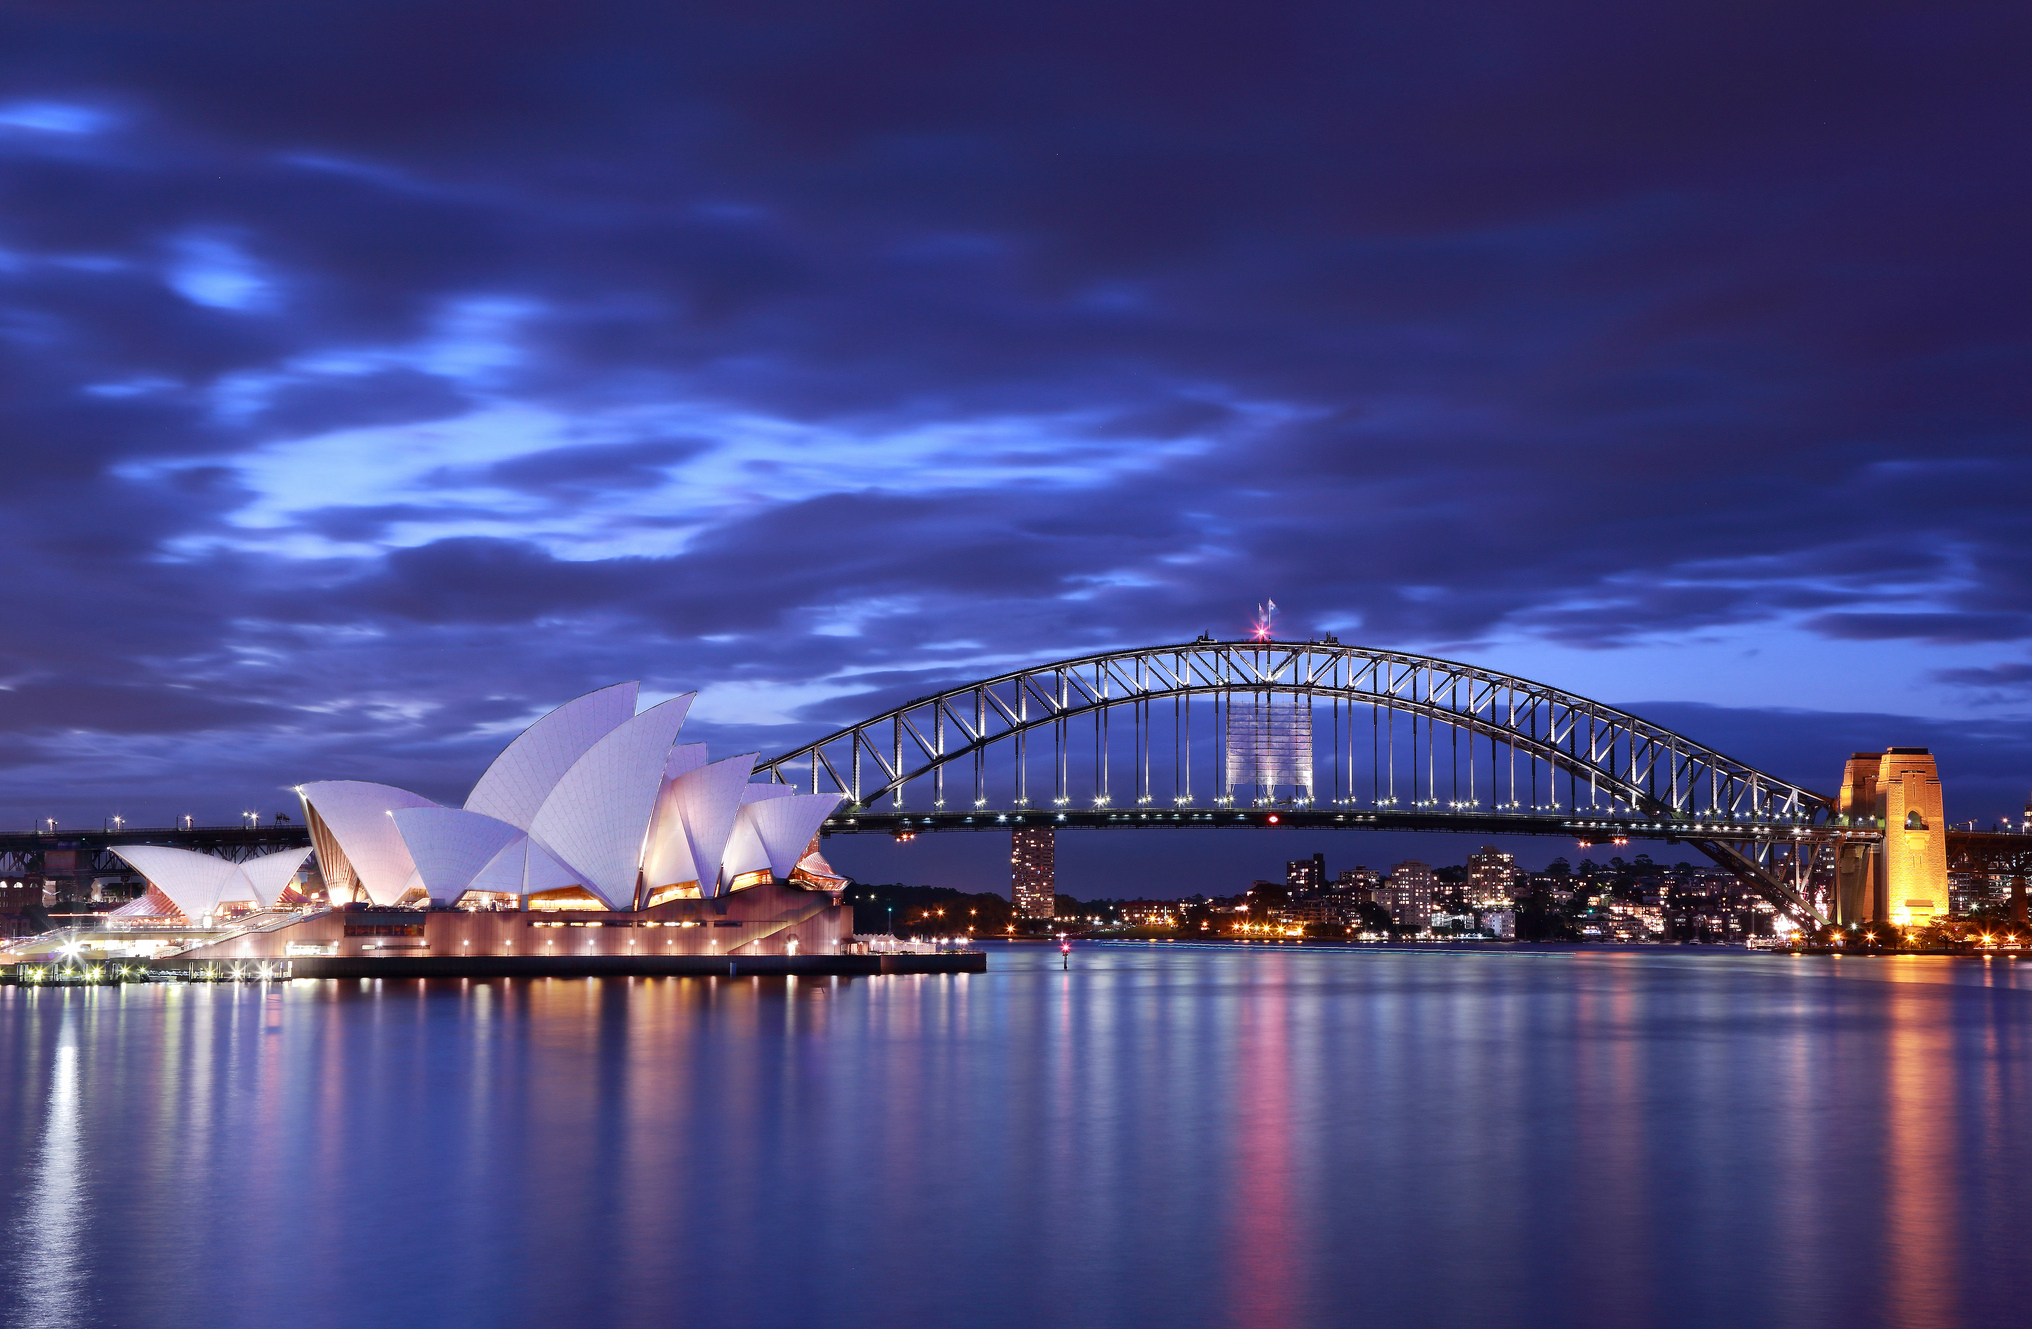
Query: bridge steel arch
x=1637 y=777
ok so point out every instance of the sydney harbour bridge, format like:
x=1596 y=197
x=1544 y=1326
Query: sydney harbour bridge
x=1215 y=734
x=1226 y=734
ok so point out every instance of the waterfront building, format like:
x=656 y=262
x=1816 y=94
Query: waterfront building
x=1321 y=907
x=1492 y=877
x=16 y=896
x=1359 y=883
x=1967 y=891
x=192 y=888
x=1266 y=901
x=593 y=807
x=1150 y=913
x=1409 y=889
x=1303 y=876
x=1033 y=879
x=593 y=837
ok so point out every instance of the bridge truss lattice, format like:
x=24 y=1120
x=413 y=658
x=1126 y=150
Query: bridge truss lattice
x=1148 y=738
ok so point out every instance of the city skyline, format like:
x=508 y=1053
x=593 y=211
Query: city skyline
x=1190 y=664
x=354 y=423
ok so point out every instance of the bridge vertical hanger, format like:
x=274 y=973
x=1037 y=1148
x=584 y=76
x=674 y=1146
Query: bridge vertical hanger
x=1778 y=833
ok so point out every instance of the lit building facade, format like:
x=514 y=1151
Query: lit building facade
x=1306 y=876
x=593 y=807
x=1408 y=894
x=1915 y=837
x=1492 y=877
x=1033 y=877
x=1360 y=882
x=593 y=836
x=192 y=888
x=1904 y=882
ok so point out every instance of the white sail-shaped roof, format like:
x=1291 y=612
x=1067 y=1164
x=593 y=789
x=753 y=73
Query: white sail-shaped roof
x=745 y=851
x=359 y=816
x=450 y=845
x=597 y=818
x=528 y=769
x=785 y=825
x=504 y=871
x=667 y=860
x=542 y=872
x=271 y=874
x=695 y=817
x=522 y=868
x=196 y=883
x=684 y=759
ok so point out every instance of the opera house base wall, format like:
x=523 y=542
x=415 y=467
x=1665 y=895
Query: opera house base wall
x=764 y=922
x=619 y=966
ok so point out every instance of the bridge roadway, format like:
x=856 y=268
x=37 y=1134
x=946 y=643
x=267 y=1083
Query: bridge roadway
x=210 y=839
x=1588 y=829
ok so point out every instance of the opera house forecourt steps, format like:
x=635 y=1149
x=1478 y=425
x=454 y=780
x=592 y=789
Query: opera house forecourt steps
x=595 y=843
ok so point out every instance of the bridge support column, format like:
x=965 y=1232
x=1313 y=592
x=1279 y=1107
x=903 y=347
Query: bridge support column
x=1858 y=897
x=1915 y=838
x=1905 y=883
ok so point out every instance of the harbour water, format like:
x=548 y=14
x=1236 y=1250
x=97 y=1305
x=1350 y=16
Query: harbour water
x=1261 y=1136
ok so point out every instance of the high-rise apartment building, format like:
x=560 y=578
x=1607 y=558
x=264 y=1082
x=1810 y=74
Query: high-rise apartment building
x=1306 y=876
x=1410 y=894
x=1492 y=877
x=1033 y=881
x=1361 y=882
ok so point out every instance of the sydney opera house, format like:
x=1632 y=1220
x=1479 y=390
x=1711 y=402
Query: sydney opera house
x=595 y=833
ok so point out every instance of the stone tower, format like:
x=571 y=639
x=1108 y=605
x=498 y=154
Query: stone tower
x=1856 y=898
x=1915 y=837
x=1905 y=882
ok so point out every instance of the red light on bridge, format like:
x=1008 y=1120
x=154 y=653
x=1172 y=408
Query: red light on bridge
x=1272 y=819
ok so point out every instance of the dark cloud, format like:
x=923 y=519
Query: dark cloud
x=594 y=466
x=392 y=396
x=2014 y=677
x=1587 y=324
x=1943 y=628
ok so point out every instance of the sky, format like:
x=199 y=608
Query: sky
x=376 y=376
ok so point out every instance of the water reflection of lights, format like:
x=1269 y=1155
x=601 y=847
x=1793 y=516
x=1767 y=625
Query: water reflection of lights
x=50 y=1230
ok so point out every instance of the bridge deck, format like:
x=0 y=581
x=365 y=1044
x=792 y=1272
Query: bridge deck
x=1596 y=829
